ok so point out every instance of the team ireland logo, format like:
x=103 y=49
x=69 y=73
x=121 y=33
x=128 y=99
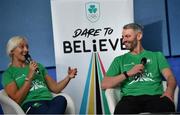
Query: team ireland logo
x=92 y=11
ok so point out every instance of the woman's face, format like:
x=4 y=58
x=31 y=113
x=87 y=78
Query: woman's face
x=20 y=51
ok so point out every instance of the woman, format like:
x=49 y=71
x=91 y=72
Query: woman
x=32 y=90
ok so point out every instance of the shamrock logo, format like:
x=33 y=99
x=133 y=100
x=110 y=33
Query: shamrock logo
x=92 y=9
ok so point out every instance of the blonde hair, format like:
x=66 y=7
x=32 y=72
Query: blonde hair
x=13 y=43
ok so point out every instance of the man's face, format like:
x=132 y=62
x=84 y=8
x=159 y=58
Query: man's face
x=129 y=37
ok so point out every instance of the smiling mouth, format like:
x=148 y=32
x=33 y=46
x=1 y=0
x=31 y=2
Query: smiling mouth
x=126 y=44
x=23 y=56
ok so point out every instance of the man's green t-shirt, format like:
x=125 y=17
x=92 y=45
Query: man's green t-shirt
x=38 y=90
x=148 y=83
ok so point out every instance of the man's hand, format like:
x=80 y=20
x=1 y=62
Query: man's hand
x=139 y=68
x=170 y=96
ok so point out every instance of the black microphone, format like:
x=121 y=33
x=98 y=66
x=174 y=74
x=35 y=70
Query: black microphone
x=28 y=59
x=143 y=61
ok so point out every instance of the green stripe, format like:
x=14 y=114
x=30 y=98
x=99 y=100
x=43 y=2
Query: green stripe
x=100 y=74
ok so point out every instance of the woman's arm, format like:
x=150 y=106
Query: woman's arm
x=16 y=94
x=57 y=87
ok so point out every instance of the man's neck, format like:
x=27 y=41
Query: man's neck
x=137 y=50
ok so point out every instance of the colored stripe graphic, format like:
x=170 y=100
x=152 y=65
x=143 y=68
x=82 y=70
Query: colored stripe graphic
x=98 y=90
x=94 y=100
x=101 y=64
x=101 y=73
x=86 y=90
x=91 y=98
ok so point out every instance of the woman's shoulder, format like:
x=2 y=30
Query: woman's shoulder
x=41 y=66
x=8 y=72
x=9 y=69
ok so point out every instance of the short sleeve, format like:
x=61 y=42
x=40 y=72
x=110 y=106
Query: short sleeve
x=7 y=78
x=42 y=69
x=162 y=61
x=114 y=68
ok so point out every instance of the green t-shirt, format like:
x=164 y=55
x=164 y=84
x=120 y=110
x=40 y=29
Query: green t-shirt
x=149 y=83
x=38 y=90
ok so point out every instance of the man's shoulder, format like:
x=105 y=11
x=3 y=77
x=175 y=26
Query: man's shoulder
x=121 y=56
x=154 y=52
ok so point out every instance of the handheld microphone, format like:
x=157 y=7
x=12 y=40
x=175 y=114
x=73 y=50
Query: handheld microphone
x=28 y=59
x=143 y=61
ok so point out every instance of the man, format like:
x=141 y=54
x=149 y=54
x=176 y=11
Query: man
x=139 y=74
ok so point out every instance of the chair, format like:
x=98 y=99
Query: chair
x=113 y=96
x=9 y=106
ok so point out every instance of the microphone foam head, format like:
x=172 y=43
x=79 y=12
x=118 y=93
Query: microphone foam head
x=27 y=58
x=144 y=60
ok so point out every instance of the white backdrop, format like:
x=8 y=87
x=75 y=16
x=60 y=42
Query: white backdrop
x=84 y=29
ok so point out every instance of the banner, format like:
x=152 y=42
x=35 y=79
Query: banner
x=87 y=35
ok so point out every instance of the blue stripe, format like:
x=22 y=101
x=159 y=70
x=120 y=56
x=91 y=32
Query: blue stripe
x=86 y=90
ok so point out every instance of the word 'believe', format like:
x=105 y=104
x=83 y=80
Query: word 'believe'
x=94 y=45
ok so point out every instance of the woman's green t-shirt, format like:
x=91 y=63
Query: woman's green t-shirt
x=39 y=89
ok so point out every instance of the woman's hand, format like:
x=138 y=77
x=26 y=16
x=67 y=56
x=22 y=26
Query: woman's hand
x=32 y=68
x=72 y=72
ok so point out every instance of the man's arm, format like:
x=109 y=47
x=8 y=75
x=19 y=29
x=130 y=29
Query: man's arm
x=171 y=83
x=110 y=82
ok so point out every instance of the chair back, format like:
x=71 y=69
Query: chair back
x=8 y=105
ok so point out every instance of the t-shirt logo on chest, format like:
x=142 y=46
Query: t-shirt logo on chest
x=20 y=76
x=129 y=64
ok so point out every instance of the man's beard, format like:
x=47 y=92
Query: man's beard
x=131 y=45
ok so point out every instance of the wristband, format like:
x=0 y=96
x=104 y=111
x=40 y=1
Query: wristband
x=125 y=74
